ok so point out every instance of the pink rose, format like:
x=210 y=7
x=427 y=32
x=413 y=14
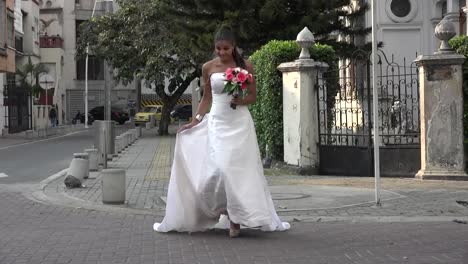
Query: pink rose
x=243 y=86
x=229 y=71
x=229 y=76
x=241 y=77
x=250 y=78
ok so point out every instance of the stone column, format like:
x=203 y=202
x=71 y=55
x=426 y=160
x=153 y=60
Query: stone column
x=300 y=115
x=453 y=14
x=441 y=107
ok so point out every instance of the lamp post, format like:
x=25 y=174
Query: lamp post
x=375 y=101
x=86 y=66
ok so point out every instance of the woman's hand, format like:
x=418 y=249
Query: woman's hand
x=188 y=126
x=237 y=100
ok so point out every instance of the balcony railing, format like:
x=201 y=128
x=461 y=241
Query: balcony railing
x=51 y=42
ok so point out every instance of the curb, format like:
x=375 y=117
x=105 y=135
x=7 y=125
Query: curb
x=43 y=184
x=63 y=199
x=378 y=219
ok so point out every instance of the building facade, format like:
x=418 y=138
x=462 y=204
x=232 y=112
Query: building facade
x=73 y=75
x=7 y=57
x=406 y=27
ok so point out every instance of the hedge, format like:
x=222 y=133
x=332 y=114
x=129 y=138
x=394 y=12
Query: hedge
x=460 y=44
x=267 y=112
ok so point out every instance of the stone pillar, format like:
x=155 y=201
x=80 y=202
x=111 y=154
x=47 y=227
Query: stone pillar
x=441 y=107
x=453 y=14
x=300 y=115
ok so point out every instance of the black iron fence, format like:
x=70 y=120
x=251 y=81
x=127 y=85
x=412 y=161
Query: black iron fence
x=345 y=115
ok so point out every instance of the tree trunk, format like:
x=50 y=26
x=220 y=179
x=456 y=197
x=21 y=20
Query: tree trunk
x=138 y=90
x=166 y=117
x=170 y=101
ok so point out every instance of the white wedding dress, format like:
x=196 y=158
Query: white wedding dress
x=217 y=170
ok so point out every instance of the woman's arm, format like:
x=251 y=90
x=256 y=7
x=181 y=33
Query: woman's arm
x=251 y=88
x=205 y=101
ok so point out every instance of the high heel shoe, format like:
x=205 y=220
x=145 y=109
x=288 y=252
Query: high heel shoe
x=234 y=230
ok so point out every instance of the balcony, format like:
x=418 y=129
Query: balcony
x=51 y=42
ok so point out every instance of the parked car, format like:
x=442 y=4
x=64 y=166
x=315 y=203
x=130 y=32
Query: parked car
x=150 y=110
x=118 y=115
x=182 y=112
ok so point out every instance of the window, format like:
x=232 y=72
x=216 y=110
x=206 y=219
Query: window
x=95 y=68
x=10 y=28
x=2 y=26
x=95 y=65
x=35 y=29
x=400 y=8
x=401 y=11
x=77 y=29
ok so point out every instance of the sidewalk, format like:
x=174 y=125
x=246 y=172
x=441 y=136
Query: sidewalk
x=297 y=198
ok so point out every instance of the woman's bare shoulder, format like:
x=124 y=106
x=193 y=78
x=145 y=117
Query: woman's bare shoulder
x=209 y=66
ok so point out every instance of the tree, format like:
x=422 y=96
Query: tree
x=160 y=40
x=137 y=42
x=29 y=76
x=257 y=22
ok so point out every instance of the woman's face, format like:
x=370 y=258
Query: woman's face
x=224 y=49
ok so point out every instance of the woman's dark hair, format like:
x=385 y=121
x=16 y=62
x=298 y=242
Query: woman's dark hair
x=225 y=33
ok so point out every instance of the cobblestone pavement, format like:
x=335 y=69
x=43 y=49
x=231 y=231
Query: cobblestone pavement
x=148 y=162
x=38 y=233
x=419 y=221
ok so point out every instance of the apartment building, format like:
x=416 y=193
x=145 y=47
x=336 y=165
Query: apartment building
x=7 y=58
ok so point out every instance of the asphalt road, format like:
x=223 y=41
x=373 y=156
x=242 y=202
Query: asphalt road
x=37 y=160
x=32 y=162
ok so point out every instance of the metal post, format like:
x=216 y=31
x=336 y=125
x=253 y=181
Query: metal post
x=86 y=66
x=86 y=73
x=375 y=106
x=104 y=139
x=107 y=94
x=86 y=85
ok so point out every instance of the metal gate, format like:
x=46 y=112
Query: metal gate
x=17 y=101
x=345 y=116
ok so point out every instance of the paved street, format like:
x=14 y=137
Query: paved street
x=333 y=219
x=23 y=160
x=36 y=233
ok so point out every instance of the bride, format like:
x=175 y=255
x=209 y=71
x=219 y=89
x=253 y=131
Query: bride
x=217 y=178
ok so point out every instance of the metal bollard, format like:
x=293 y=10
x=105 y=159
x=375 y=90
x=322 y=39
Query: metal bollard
x=118 y=144
x=127 y=141
x=30 y=134
x=132 y=135
x=76 y=173
x=113 y=186
x=104 y=140
x=93 y=159
x=84 y=156
x=152 y=120
x=138 y=132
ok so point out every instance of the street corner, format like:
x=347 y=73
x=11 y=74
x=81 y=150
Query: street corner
x=52 y=191
x=319 y=197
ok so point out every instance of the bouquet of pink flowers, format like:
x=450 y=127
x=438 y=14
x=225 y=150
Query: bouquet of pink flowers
x=236 y=82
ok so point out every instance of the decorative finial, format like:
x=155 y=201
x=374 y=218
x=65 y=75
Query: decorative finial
x=305 y=39
x=444 y=31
